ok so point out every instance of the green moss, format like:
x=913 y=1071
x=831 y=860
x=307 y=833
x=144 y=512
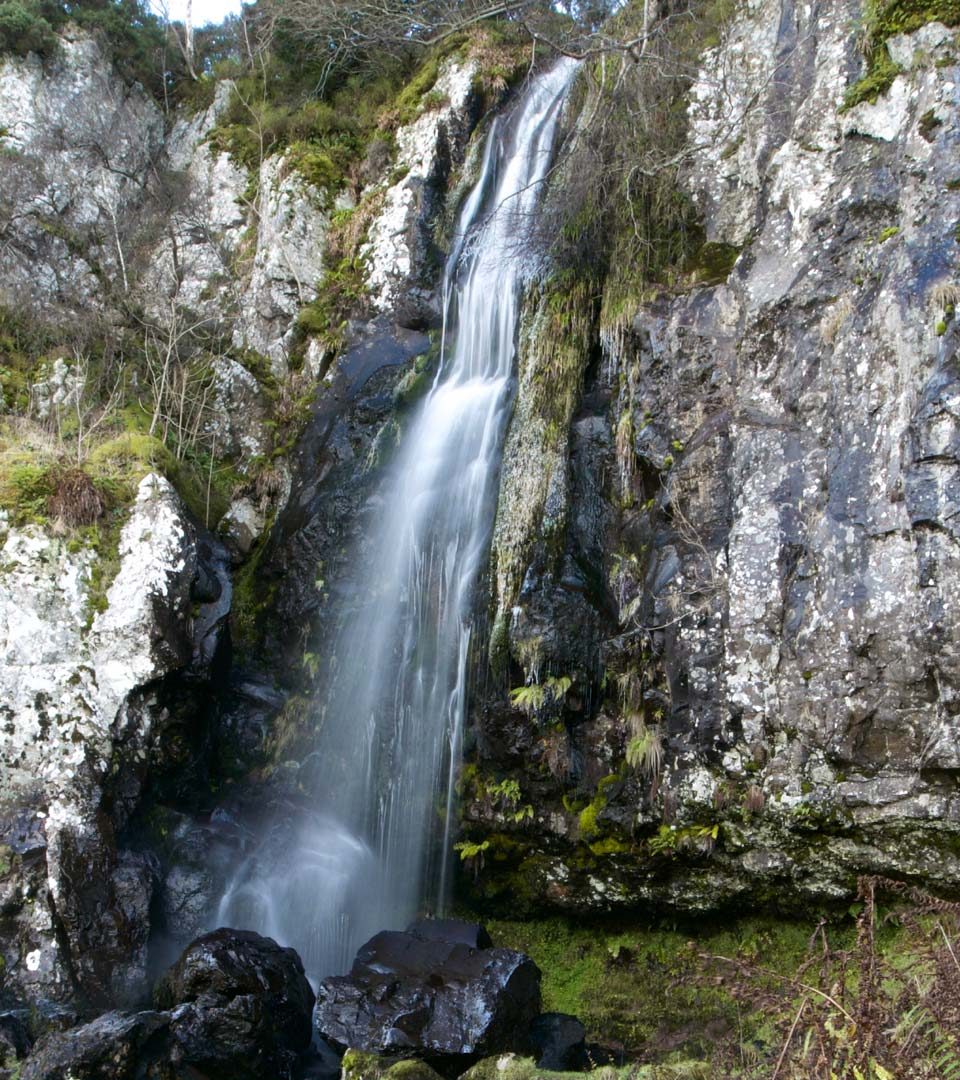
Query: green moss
x=712 y=262
x=342 y=288
x=888 y=234
x=410 y=100
x=609 y=846
x=418 y=378
x=252 y=596
x=612 y=974
x=411 y=1070
x=879 y=78
x=359 y=1065
x=882 y=21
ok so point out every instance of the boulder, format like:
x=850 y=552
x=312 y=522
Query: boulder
x=115 y=1046
x=559 y=1042
x=235 y=1006
x=436 y=990
x=241 y=1006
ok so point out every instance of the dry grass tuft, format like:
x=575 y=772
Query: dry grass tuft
x=75 y=500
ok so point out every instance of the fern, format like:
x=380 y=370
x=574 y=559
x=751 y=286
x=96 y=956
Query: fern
x=532 y=698
x=470 y=850
x=529 y=698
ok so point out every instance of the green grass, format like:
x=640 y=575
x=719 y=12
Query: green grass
x=634 y=983
x=724 y=996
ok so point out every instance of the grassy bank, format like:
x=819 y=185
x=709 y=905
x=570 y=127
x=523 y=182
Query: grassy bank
x=868 y=995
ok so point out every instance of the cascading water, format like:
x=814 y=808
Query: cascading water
x=392 y=697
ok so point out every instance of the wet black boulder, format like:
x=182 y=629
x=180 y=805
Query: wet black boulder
x=558 y=1042
x=115 y=1046
x=436 y=990
x=240 y=1004
x=235 y=1006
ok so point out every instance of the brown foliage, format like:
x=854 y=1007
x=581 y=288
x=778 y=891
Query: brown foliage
x=861 y=1013
x=75 y=500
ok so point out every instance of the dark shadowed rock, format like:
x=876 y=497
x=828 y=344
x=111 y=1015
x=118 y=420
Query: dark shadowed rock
x=435 y=990
x=115 y=1046
x=235 y=1006
x=558 y=1042
x=15 y=1037
x=239 y=1002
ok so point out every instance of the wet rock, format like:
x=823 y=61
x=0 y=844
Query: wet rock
x=431 y=992
x=115 y=1046
x=15 y=1040
x=239 y=1002
x=776 y=596
x=241 y=527
x=559 y=1042
x=235 y=1006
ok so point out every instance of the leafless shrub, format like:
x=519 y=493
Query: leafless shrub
x=945 y=295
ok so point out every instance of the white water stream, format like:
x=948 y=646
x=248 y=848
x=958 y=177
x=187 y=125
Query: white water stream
x=392 y=698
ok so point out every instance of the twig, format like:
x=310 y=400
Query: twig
x=793 y=1028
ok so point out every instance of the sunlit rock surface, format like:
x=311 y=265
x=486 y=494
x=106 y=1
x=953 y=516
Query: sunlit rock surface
x=770 y=579
x=80 y=723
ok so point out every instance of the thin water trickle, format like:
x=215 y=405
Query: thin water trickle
x=392 y=699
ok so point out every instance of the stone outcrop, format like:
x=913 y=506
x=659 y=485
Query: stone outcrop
x=400 y=239
x=235 y=1005
x=78 y=146
x=83 y=717
x=757 y=550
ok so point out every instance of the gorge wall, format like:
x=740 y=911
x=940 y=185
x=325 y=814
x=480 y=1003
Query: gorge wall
x=721 y=657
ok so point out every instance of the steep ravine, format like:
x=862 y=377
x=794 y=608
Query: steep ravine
x=721 y=662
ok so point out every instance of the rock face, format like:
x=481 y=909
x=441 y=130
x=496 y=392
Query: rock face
x=755 y=535
x=437 y=990
x=78 y=146
x=82 y=720
x=236 y=1006
x=400 y=238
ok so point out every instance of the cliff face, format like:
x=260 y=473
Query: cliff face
x=754 y=591
x=724 y=570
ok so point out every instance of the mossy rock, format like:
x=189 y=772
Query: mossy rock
x=502 y=1067
x=411 y=1069
x=360 y=1065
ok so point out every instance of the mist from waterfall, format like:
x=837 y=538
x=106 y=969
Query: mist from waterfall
x=391 y=696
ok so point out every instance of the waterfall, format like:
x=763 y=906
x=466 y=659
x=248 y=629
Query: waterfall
x=392 y=694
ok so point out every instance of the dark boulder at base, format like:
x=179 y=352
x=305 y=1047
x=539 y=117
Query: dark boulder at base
x=435 y=990
x=115 y=1046
x=235 y=1006
x=558 y=1042
x=241 y=1006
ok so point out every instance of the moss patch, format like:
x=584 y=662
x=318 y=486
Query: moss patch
x=727 y=994
x=881 y=22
